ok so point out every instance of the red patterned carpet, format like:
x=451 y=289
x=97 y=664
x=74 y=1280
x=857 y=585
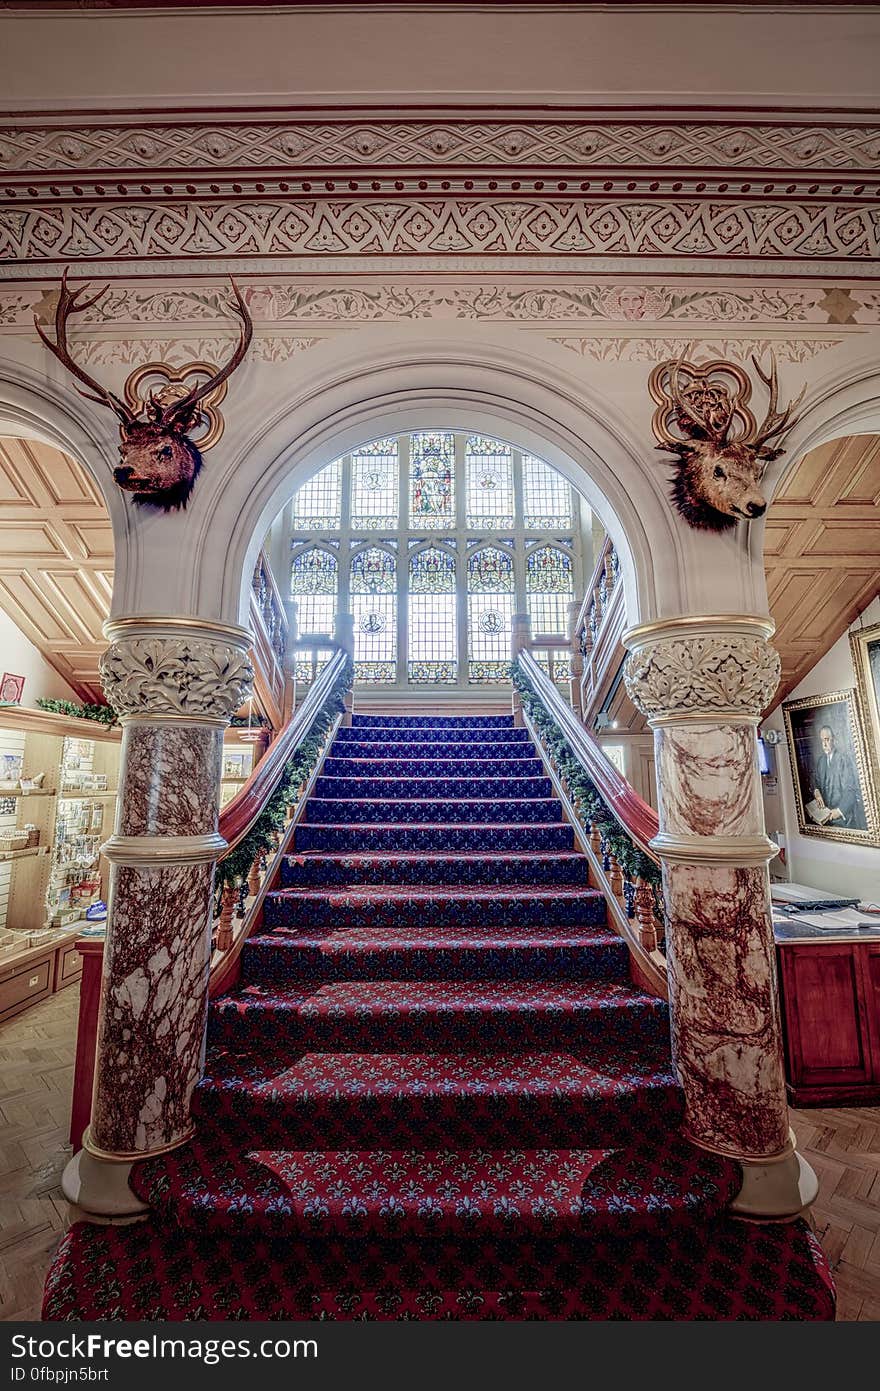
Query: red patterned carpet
x=435 y=1093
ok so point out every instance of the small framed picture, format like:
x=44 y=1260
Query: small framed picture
x=833 y=793
x=11 y=688
x=233 y=765
x=865 y=647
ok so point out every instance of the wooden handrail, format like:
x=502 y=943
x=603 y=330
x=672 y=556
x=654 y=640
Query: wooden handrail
x=239 y=815
x=633 y=815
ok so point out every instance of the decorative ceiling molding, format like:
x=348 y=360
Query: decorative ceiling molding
x=802 y=234
x=274 y=304
x=663 y=349
x=178 y=147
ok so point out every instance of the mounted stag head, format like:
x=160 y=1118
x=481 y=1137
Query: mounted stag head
x=159 y=463
x=722 y=452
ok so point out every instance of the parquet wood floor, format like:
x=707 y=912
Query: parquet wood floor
x=36 y=1071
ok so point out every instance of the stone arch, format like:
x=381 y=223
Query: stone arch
x=491 y=390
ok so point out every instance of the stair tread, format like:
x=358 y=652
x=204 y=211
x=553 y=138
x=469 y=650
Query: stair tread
x=359 y=857
x=613 y=1071
x=426 y=934
x=342 y=998
x=435 y=1192
x=447 y=892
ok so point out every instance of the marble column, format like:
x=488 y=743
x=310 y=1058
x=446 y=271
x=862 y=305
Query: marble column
x=703 y=683
x=175 y=684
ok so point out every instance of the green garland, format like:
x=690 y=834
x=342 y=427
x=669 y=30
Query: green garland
x=236 y=866
x=588 y=803
x=103 y=714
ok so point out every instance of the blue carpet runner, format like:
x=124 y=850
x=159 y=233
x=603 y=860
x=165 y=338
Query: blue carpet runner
x=435 y=1093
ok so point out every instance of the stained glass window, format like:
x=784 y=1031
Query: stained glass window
x=314 y=582
x=375 y=488
x=432 y=481
x=374 y=608
x=396 y=529
x=547 y=500
x=549 y=589
x=489 y=468
x=490 y=609
x=317 y=506
x=433 y=636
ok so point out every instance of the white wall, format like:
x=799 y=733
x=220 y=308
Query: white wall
x=821 y=864
x=19 y=656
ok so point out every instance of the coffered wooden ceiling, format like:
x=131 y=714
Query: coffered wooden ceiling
x=822 y=551
x=56 y=559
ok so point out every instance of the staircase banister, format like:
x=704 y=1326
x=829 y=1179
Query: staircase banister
x=592 y=585
x=635 y=816
x=239 y=815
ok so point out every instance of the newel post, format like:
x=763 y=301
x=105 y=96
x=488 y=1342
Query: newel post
x=520 y=640
x=175 y=683
x=703 y=683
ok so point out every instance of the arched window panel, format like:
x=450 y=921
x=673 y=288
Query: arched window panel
x=547 y=497
x=490 y=571
x=375 y=487
x=432 y=480
x=374 y=609
x=314 y=586
x=549 y=589
x=317 y=506
x=433 y=619
x=490 y=612
x=489 y=471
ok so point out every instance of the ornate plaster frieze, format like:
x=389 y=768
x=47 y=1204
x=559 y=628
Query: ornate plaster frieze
x=292 y=303
x=716 y=674
x=662 y=349
x=654 y=141
x=690 y=230
x=175 y=352
x=160 y=677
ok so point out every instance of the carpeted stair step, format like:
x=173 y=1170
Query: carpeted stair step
x=322 y=811
x=415 y=952
x=454 y=722
x=384 y=738
x=350 y=751
x=452 y=906
x=721 y=1270
x=440 y=767
x=341 y=838
x=433 y=868
x=358 y=1016
x=425 y=788
x=434 y=1196
x=602 y=1096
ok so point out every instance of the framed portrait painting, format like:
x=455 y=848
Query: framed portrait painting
x=832 y=791
x=865 y=646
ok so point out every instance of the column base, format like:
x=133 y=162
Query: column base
x=777 y=1189
x=98 y=1190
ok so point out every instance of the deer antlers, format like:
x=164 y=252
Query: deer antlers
x=774 y=422
x=178 y=412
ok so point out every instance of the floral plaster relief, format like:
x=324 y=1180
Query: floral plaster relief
x=722 y=976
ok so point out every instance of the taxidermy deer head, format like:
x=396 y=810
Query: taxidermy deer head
x=722 y=452
x=158 y=462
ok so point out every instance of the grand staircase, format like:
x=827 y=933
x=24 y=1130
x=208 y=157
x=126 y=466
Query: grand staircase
x=435 y=1093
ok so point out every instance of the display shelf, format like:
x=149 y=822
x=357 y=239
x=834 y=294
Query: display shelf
x=61 y=875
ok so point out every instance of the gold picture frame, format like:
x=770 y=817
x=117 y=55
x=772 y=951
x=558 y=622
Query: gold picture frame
x=865 y=648
x=822 y=786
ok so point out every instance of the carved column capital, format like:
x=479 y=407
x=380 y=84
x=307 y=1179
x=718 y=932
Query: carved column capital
x=714 y=670
x=164 y=669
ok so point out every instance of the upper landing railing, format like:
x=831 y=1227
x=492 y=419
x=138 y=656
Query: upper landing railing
x=596 y=632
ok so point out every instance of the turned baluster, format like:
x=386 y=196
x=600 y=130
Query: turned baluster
x=254 y=878
x=596 y=841
x=645 y=915
x=615 y=878
x=224 y=929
